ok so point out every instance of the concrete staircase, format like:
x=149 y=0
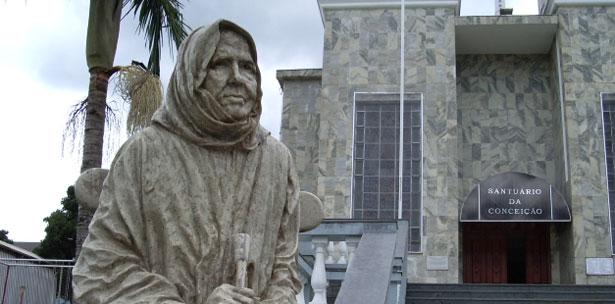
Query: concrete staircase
x=508 y=293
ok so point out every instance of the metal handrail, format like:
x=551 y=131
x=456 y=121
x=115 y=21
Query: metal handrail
x=38 y=280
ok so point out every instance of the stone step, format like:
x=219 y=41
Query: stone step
x=512 y=295
x=508 y=293
x=499 y=300
x=516 y=287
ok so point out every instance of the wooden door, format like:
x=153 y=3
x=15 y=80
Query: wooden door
x=484 y=252
x=537 y=255
x=486 y=247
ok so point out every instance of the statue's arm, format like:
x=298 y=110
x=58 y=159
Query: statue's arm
x=111 y=267
x=285 y=284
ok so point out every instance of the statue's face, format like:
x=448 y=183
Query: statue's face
x=231 y=75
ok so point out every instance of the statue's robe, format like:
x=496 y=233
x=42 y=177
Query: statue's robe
x=178 y=191
x=168 y=211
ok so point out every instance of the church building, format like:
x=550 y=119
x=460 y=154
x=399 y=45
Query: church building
x=492 y=136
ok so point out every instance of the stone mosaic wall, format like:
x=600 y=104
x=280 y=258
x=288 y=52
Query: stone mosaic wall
x=430 y=68
x=362 y=54
x=300 y=122
x=561 y=233
x=505 y=20
x=586 y=37
x=510 y=120
x=506 y=107
x=558 y=137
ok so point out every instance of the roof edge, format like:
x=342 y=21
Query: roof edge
x=553 y=5
x=20 y=251
x=351 y=4
x=297 y=74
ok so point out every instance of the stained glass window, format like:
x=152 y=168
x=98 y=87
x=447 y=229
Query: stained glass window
x=608 y=114
x=376 y=160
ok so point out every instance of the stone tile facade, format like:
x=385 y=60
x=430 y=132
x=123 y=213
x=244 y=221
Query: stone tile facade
x=362 y=54
x=561 y=234
x=300 y=122
x=430 y=69
x=586 y=39
x=506 y=105
x=505 y=20
x=482 y=115
x=509 y=116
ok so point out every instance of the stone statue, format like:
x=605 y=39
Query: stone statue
x=180 y=192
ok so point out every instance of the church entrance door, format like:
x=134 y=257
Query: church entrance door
x=506 y=253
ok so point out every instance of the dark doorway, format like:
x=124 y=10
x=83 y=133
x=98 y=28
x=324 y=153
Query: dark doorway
x=515 y=253
x=516 y=259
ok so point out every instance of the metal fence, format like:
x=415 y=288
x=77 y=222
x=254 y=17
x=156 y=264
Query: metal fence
x=31 y=281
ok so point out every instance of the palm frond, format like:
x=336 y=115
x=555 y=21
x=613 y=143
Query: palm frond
x=143 y=91
x=156 y=17
x=72 y=137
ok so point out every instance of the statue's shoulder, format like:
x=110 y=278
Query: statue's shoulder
x=273 y=145
x=147 y=139
x=152 y=135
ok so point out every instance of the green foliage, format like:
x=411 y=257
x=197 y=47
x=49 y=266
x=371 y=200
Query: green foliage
x=156 y=17
x=4 y=236
x=59 y=243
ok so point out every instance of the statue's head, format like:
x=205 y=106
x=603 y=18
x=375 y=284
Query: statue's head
x=214 y=94
x=232 y=75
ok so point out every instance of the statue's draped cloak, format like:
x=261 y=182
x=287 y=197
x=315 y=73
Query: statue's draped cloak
x=176 y=194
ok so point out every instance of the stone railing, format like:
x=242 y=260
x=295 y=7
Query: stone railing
x=339 y=254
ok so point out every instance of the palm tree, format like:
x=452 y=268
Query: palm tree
x=155 y=17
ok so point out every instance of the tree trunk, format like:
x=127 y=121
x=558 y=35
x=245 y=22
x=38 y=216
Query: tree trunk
x=94 y=133
x=93 y=141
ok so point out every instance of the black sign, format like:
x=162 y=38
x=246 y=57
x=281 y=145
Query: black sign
x=514 y=197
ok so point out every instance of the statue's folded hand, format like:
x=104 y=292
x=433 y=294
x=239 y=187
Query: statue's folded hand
x=229 y=294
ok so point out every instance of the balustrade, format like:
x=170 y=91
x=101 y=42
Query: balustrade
x=327 y=252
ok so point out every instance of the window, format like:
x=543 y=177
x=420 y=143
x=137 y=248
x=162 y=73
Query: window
x=608 y=114
x=376 y=159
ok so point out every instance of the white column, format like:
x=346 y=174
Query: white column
x=351 y=244
x=343 y=250
x=319 y=273
x=330 y=259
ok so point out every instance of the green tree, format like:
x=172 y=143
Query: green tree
x=4 y=236
x=59 y=242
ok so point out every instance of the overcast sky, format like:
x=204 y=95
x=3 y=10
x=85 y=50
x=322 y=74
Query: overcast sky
x=43 y=73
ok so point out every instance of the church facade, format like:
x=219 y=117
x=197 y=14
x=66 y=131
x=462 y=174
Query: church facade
x=499 y=148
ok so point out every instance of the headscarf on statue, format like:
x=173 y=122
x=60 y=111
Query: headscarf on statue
x=192 y=112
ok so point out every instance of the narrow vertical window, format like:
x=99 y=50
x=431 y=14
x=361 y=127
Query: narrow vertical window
x=376 y=160
x=608 y=114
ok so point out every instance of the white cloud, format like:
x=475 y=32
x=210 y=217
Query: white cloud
x=487 y=7
x=45 y=38
x=523 y=7
x=34 y=175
